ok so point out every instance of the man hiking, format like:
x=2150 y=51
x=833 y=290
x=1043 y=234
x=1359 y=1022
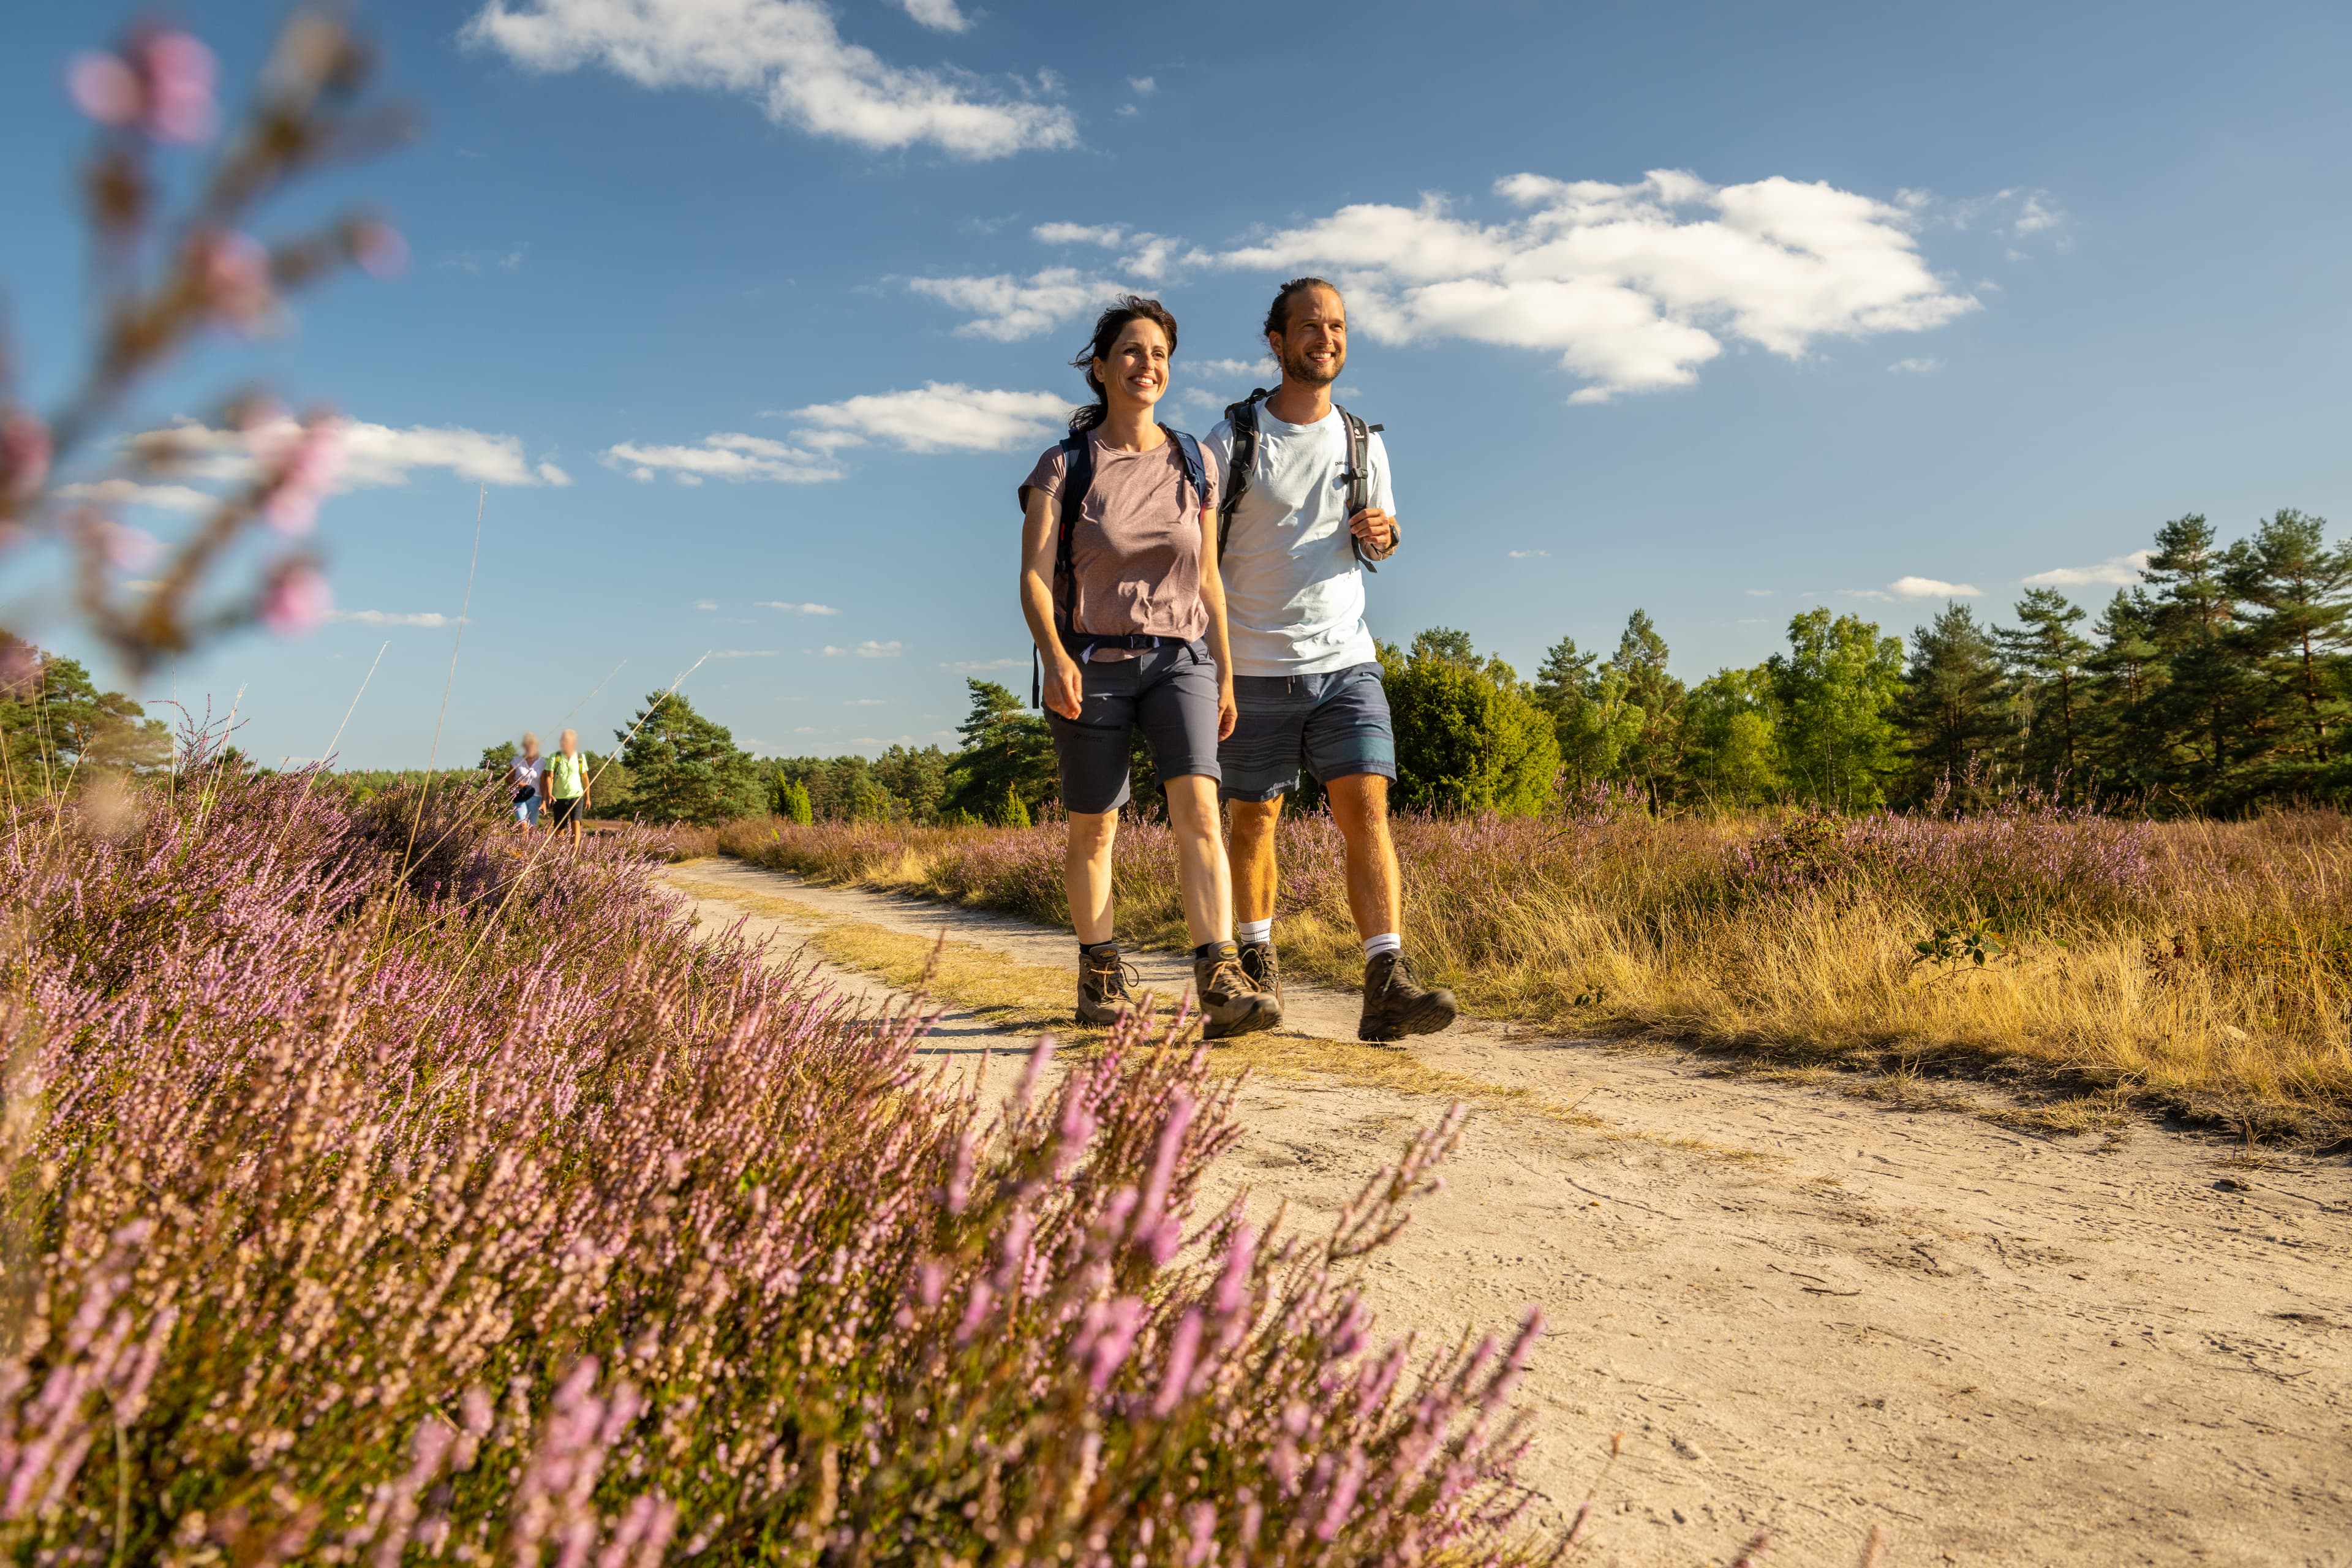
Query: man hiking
x=1307 y=507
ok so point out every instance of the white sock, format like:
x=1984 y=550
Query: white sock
x=1387 y=942
x=1253 y=931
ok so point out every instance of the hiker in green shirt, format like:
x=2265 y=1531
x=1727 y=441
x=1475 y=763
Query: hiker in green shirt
x=566 y=782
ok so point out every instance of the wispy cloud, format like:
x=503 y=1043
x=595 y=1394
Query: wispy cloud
x=734 y=457
x=941 y=416
x=1921 y=365
x=789 y=55
x=746 y=653
x=1004 y=308
x=867 y=649
x=1143 y=85
x=130 y=492
x=705 y=604
x=940 y=16
x=395 y=618
x=1530 y=555
x=2117 y=570
x=793 y=609
x=975 y=666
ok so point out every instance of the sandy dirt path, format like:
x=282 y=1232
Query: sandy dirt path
x=1807 y=1311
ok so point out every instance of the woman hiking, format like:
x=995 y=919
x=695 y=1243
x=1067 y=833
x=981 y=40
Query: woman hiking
x=1122 y=597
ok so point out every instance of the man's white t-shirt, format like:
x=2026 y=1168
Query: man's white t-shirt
x=1294 y=593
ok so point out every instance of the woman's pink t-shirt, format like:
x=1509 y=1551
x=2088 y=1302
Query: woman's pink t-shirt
x=1136 y=550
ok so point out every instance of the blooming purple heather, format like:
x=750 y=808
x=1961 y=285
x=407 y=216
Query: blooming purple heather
x=455 y=1203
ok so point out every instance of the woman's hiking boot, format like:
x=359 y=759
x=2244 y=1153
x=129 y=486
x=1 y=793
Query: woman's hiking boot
x=1103 y=979
x=1231 y=1002
x=1261 y=966
x=1395 y=1004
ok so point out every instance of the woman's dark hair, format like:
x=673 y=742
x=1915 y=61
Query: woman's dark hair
x=1278 y=315
x=1107 y=326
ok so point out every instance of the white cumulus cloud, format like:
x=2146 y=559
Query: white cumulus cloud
x=867 y=649
x=1930 y=588
x=786 y=53
x=1918 y=366
x=1634 y=287
x=941 y=416
x=130 y=492
x=736 y=458
x=2117 y=570
x=1003 y=307
x=793 y=609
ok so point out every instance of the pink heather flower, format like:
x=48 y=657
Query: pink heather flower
x=23 y=452
x=975 y=1311
x=1038 y=1057
x=474 y=1411
x=1343 y=1497
x=958 y=1191
x=1233 y=1285
x=1201 y=1522
x=1078 y=1129
x=232 y=271
x=1163 y=1167
x=1183 y=1347
x=292 y=506
x=1117 y=1337
x=179 y=74
x=132 y=549
x=297 y=599
x=104 y=87
x=380 y=250
x=930 y=1280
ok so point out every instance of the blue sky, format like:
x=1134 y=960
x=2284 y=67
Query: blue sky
x=1718 y=310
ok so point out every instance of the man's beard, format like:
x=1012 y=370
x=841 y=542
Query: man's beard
x=1296 y=367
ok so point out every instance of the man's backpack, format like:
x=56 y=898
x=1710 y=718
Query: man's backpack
x=1077 y=477
x=1243 y=417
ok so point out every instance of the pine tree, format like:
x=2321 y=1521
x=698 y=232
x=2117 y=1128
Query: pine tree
x=1592 y=722
x=2047 y=658
x=1006 y=750
x=1954 y=708
x=2203 y=713
x=2126 y=672
x=57 y=726
x=2303 y=590
x=1653 y=755
x=1832 y=692
x=685 y=768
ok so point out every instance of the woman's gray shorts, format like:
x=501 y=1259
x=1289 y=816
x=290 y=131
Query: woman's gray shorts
x=1171 y=691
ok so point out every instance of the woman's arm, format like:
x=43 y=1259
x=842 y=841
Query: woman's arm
x=1212 y=595
x=1064 y=685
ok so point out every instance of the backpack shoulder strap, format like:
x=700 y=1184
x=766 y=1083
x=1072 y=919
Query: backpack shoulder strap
x=1243 y=418
x=1077 y=477
x=1359 y=475
x=1196 y=468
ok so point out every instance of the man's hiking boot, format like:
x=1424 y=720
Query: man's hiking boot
x=1231 y=1002
x=1103 y=994
x=1395 y=1004
x=1263 y=967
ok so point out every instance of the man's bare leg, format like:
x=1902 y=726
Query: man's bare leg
x=1360 y=807
x=1255 y=874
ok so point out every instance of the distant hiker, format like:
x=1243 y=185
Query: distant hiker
x=1119 y=586
x=567 y=784
x=523 y=782
x=1307 y=510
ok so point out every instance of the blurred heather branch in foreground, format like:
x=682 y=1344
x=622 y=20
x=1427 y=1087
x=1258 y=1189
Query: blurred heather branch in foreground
x=166 y=278
x=506 y=1220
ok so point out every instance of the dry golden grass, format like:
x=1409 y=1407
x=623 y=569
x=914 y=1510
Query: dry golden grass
x=2203 y=969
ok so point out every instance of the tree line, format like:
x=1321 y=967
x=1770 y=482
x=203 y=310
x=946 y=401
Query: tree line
x=2219 y=682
